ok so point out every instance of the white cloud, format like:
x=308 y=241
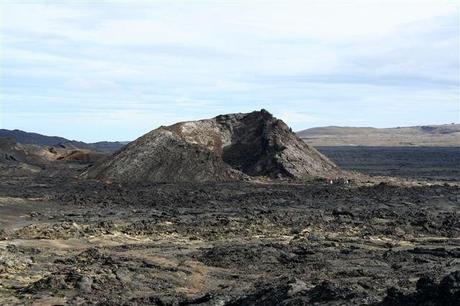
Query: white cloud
x=220 y=24
x=149 y=58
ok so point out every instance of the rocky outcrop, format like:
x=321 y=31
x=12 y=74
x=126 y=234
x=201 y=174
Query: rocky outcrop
x=446 y=292
x=162 y=155
x=227 y=147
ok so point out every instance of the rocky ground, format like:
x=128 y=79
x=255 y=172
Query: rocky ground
x=65 y=240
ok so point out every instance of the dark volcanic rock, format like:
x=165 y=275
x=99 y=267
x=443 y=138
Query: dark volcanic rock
x=447 y=292
x=292 y=293
x=227 y=147
x=237 y=243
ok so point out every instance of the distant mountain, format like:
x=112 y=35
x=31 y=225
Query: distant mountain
x=31 y=138
x=43 y=140
x=24 y=159
x=446 y=135
x=12 y=152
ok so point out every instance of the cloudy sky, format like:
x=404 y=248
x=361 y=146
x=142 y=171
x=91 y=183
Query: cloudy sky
x=113 y=70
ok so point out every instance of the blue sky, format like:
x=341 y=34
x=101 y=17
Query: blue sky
x=113 y=70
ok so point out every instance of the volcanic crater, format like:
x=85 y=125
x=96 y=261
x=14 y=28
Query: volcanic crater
x=225 y=148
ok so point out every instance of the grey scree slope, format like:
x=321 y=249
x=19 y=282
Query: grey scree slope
x=224 y=148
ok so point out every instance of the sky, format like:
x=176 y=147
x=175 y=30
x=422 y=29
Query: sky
x=114 y=70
